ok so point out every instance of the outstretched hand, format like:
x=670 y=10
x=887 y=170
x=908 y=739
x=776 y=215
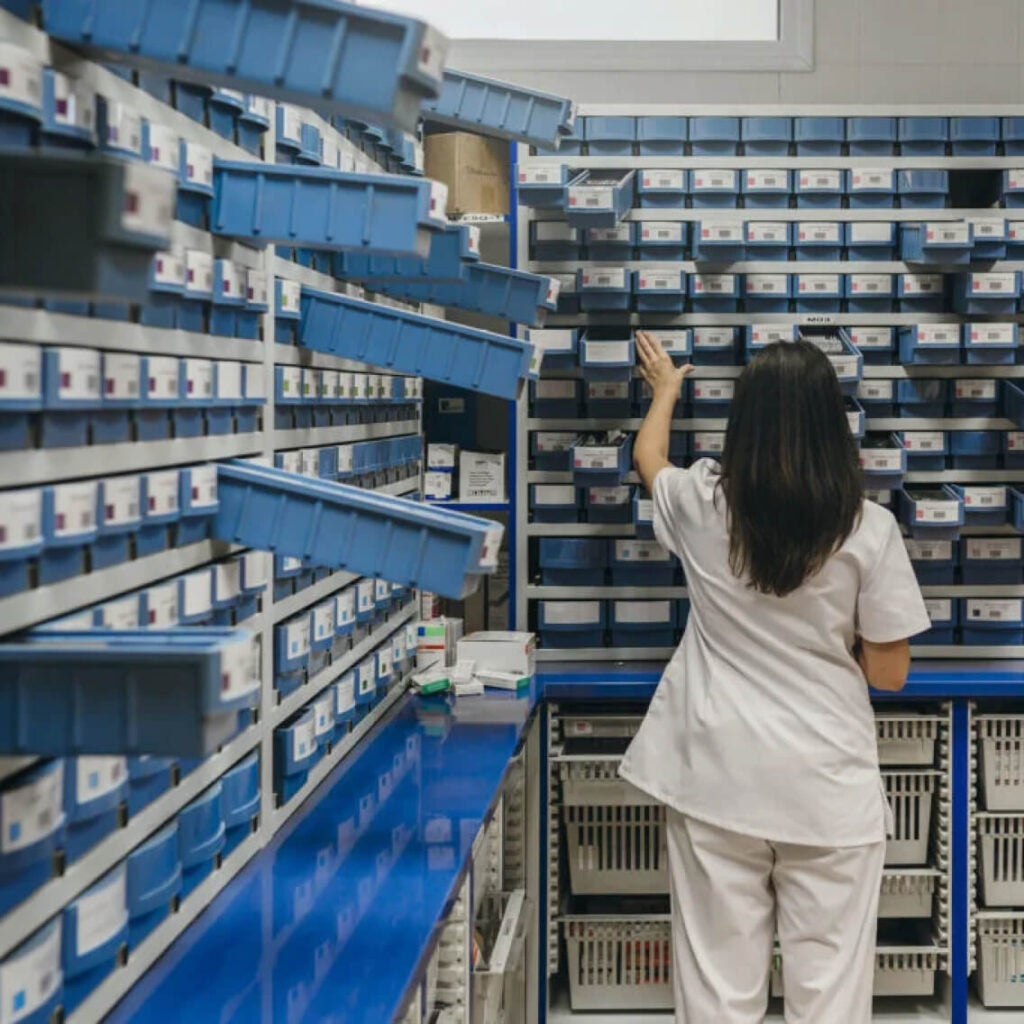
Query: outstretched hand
x=656 y=366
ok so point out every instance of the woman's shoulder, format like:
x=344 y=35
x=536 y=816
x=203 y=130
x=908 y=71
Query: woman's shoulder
x=875 y=525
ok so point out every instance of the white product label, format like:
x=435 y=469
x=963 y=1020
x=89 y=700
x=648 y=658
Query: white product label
x=20 y=372
x=259 y=106
x=346 y=453
x=714 y=390
x=309 y=462
x=74 y=509
x=229 y=381
x=988 y=228
x=619 y=233
x=947 y=233
x=310 y=384
x=329 y=385
x=605 y=277
x=164 y=147
x=491 y=547
x=345 y=607
x=169 y=269
x=290 y=383
x=437 y=485
x=921 y=284
x=608 y=495
x=767 y=231
x=993 y=284
x=871 y=233
x=98 y=776
x=554 y=231
x=714 y=284
x=994 y=549
x=938 y=334
x=227 y=580
x=291 y=462
x=30 y=980
x=709 y=442
x=367 y=677
x=1015 y=179
x=991 y=610
x=645 y=551
x=982 y=498
x=924 y=440
x=290 y=124
x=296 y=637
x=659 y=281
x=662 y=179
x=121 y=501
x=554 y=441
x=21 y=516
x=384 y=662
x=592 y=197
x=817 y=181
x=102 y=914
x=976 y=389
x=381 y=591
x=675 y=342
x=570 y=613
x=606 y=353
x=819 y=232
x=232 y=281
x=203 y=489
x=21 y=77
x=661 y=231
x=323 y=717
x=360 y=387
x=290 y=296
x=767 y=284
x=818 y=284
x=939 y=609
x=875 y=390
x=540 y=176
x=556 y=389
x=871 y=337
x=878 y=497
x=929 y=550
x=845 y=366
x=643 y=611
x=772 y=181
x=331 y=152
x=410 y=638
x=879 y=460
x=162 y=378
x=721 y=231
x=871 y=284
x=596 y=457
x=198 y=380
x=196 y=593
x=715 y=181
x=345 y=694
x=32 y=811
x=148 y=204
x=198 y=273
x=303 y=740
x=161 y=606
x=366 y=595
x=398 y=648
x=935 y=510
x=75 y=104
x=769 y=334
x=856 y=421
x=1014 y=440
x=255 y=569
x=712 y=337
x=124 y=128
x=992 y=334
x=257 y=285
x=607 y=390
x=554 y=494
x=871 y=179
x=78 y=374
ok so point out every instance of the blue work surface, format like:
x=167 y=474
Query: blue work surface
x=579 y=680
x=335 y=918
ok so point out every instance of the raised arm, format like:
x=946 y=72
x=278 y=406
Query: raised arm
x=650 y=449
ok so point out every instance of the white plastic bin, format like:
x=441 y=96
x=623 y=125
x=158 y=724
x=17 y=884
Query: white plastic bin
x=911 y=796
x=617 y=964
x=616 y=850
x=1001 y=850
x=588 y=782
x=1001 y=743
x=908 y=894
x=1001 y=960
x=898 y=972
x=906 y=739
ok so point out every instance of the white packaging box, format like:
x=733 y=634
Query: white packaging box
x=442 y=456
x=481 y=476
x=499 y=651
x=438 y=485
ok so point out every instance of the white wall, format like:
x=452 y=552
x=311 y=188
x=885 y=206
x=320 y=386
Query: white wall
x=866 y=51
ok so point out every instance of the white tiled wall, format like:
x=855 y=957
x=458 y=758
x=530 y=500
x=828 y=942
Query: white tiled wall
x=867 y=51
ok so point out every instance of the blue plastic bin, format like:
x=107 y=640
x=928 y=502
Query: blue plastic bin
x=767 y=240
x=609 y=136
x=766 y=189
x=871 y=240
x=411 y=343
x=990 y=343
x=975 y=449
x=253 y=123
x=21 y=97
x=607 y=358
x=937 y=513
x=608 y=399
x=943 y=242
x=69 y=526
x=923 y=189
x=1013 y=402
x=573 y=562
x=870 y=187
x=599 y=199
x=870 y=293
x=94 y=789
x=118 y=518
x=883 y=460
x=153 y=882
x=984 y=505
x=148 y=778
x=663 y=241
x=1013 y=188
x=934 y=561
x=711 y=399
x=201 y=837
x=714 y=136
x=714 y=189
x=997 y=622
x=707 y=444
x=1013 y=135
x=609 y=505
x=553 y=240
x=926 y=449
x=974 y=136
x=819 y=136
x=920 y=293
x=991 y=238
x=972 y=398
x=767 y=293
x=766 y=136
x=944 y=613
x=642 y=623
x=935 y=344
x=572 y=624
x=91 y=953
x=195 y=184
x=987 y=293
x=818 y=240
x=818 y=292
x=871 y=136
x=295 y=752
x=718 y=241
x=604 y=289
x=72 y=379
x=21 y=394
x=552 y=450
x=544 y=187
x=819 y=189
x=715 y=346
x=877 y=396
x=36 y=987
x=923 y=136
x=922 y=397
x=991 y=561
x=601 y=461
x=555 y=398
x=659 y=291
x=350 y=60
x=21 y=537
x=715 y=293
x=662 y=136
x=69 y=113
x=662 y=189
x=641 y=563
x=611 y=245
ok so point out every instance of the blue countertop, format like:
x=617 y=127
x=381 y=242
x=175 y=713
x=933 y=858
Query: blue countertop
x=333 y=920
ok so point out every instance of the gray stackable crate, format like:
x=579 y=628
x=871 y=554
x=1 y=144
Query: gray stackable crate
x=912 y=797
x=908 y=894
x=616 y=850
x=587 y=782
x=1001 y=854
x=1001 y=960
x=906 y=739
x=1001 y=751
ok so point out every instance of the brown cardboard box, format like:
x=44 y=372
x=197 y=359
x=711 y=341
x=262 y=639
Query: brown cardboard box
x=475 y=170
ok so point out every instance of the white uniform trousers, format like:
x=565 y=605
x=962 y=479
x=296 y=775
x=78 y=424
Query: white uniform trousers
x=730 y=895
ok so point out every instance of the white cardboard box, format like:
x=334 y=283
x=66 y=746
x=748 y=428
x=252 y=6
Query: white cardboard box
x=442 y=456
x=481 y=476
x=438 y=484
x=499 y=650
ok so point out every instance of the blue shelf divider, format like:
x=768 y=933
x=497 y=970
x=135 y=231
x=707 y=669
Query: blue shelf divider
x=411 y=343
x=335 y=526
x=167 y=693
x=338 y=57
x=318 y=208
x=489 y=107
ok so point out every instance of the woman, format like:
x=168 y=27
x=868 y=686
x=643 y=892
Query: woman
x=760 y=738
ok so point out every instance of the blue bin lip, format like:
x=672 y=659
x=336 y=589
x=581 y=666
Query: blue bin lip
x=144 y=767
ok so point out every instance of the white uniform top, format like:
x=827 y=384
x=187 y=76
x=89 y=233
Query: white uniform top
x=762 y=722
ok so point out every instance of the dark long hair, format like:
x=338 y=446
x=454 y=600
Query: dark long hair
x=790 y=469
